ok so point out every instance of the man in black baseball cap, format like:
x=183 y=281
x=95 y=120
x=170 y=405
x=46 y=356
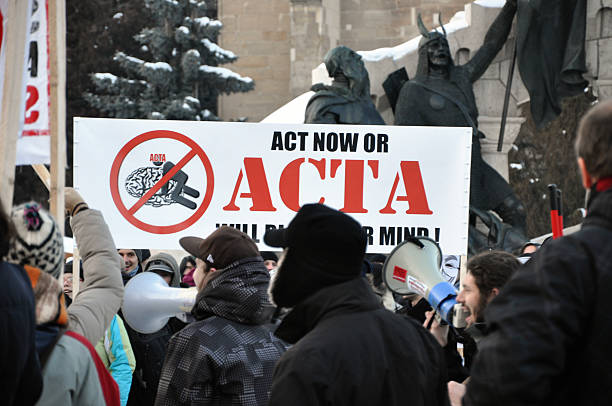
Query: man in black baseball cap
x=349 y=350
x=232 y=313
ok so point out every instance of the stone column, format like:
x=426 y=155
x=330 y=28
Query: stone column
x=599 y=47
x=315 y=29
x=491 y=126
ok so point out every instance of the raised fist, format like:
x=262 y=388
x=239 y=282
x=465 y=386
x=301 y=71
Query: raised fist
x=73 y=201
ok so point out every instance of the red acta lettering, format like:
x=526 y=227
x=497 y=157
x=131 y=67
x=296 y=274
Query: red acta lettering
x=31 y=116
x=258 y=187
x=415 y=190
x=354 y=179
x=157 y=158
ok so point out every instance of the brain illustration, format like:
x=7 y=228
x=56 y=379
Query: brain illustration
x=142 y=179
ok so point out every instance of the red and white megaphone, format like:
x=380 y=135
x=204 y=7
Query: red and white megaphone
x=414 y=267
x=148 y=302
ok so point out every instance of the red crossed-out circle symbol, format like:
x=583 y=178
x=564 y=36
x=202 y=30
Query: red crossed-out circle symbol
x=129 y=214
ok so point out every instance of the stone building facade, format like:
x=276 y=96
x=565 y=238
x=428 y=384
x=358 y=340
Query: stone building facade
x=280 y=42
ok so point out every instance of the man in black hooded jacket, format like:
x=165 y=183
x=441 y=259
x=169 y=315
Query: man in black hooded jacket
x=551 y=325
x=349 y=350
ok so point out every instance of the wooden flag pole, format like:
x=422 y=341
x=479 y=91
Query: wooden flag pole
x=76 y=271
x=45 y=177
x=13 y=97
x=57 y=107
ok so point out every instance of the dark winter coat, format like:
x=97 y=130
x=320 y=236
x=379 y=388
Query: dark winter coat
x=226 y=357
x=551 y=325
x=20 y=373
x=149 y=352
x=352 y=351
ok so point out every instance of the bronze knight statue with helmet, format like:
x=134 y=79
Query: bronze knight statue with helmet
x=441 y=94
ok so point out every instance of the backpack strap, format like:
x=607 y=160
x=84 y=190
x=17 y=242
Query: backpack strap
x=107 y=383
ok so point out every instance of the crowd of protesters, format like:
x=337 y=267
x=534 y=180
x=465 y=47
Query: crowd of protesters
x=314 y=325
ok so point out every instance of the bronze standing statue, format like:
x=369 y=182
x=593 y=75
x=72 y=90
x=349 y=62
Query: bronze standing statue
x=347 y=100
x=441 y=94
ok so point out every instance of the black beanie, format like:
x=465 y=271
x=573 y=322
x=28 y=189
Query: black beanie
x=138 y=253
x=325 y=247
x=68 y=268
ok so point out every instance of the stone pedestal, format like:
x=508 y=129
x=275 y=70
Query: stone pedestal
x=490 y=127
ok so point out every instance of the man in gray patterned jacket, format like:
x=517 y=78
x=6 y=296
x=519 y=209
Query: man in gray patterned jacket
x=228 y=355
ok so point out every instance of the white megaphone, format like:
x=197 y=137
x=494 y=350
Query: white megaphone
x=414 y=267
x=148 y=302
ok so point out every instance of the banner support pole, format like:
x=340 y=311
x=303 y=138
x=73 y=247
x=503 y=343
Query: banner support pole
x=57 y=107
x=13 y=96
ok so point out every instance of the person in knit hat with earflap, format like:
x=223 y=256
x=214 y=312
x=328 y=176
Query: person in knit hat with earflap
x=39 y=243
x=72 y=371
x=348 y=349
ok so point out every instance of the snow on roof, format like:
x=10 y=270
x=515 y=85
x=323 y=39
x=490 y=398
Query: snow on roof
x=117 y=16
x=205 y=21
x=224 y=73
x=398 y=52
x=158 y=65
x=217 y=50
x=292 y=112
x=104 y=76
x=491 y=3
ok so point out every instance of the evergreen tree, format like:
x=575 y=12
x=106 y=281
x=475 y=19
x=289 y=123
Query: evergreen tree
x=182 y=80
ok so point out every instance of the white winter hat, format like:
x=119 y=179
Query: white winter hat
x=38 y=242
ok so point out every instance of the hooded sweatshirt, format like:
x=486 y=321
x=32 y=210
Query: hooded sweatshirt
x=228 y=355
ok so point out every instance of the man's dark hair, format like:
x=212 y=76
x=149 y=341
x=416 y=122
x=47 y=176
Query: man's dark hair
x=7 y=232
x=185 y=261
x=492 y=269
x=594 y=141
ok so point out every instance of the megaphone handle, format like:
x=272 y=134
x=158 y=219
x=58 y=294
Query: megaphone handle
x=438 y=318
x=431 y=319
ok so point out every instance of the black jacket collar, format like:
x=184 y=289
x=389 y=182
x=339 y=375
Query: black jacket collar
x=599 y=210
x=343 y=298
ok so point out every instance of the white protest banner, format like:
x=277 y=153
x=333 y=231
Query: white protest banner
x=33 y=142
x=157 y=181
x=33 y=146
